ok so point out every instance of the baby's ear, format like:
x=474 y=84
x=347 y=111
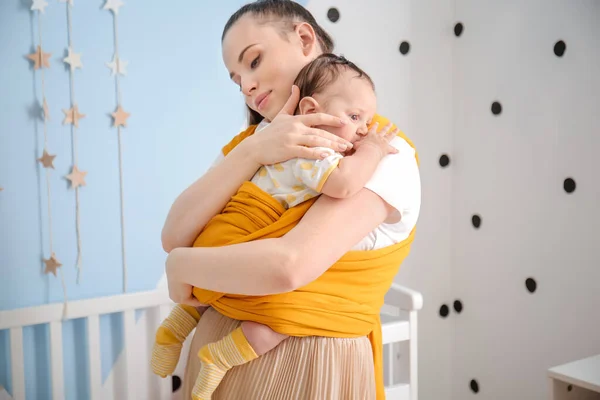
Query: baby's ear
x=308 y=105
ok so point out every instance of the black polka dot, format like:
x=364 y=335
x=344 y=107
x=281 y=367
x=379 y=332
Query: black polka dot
x=474 y=386
x=404 y=48
x=530 y=284
x=569 y=388
x=176 y=382
x=444 y=311
x=458 y=307
x=559 y=48
x=458 y=29
x=333 y=14
x=569 y=185
x=476 y=221
x=444 y=160
x=496 y=108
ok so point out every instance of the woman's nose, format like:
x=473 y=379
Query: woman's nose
x=248 y=88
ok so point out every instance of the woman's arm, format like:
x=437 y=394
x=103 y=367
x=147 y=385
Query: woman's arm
x=206 y=197
x=287 y=136
x=284 y=264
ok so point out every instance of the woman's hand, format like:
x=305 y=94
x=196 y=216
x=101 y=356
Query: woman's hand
x=379 y=140
x=293 y=136
x=179 y=292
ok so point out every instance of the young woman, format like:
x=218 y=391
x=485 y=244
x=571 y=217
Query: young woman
x=265 y=44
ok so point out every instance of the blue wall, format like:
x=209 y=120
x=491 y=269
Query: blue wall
x=183 y=107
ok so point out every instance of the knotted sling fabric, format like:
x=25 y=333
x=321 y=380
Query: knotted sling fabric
x=343 y=302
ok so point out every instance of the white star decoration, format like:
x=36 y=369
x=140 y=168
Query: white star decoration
x=74 y=60
x=39 y=5
x=117 y=66
x=113 y=5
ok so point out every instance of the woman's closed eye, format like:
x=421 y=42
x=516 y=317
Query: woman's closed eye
x=254 y=62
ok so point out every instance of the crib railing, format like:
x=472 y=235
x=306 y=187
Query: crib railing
x=396 y=328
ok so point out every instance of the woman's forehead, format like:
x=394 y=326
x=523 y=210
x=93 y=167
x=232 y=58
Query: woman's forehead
x=245 y=32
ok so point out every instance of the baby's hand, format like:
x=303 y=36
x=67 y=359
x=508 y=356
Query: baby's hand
x=379 y=140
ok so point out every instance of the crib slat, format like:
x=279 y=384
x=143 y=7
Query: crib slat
x=56 y=360
x=390 y=364
x=93 y=331
x=129 y=327
x=17 y=363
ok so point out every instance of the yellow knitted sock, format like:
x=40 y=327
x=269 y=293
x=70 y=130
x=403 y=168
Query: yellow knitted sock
x=170 y=337
x=219 y=357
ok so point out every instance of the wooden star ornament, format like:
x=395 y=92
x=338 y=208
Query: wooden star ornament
x=120 y=117
x=47 y=160
x=72 y=116
x=51 y=264
x=39 y=5
x=73 y=59
x=46 y=111
x=113 y=5
x=40 y=59
x=117 y=66
x=76 y=177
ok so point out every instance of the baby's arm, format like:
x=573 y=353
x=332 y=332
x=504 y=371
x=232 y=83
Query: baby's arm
x=353 y=172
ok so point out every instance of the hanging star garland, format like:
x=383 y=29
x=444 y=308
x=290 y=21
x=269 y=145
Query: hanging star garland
x=73 y=59
x=39 y=5
x=39 y=58
x=117 y=66
x=76 y=177
x=120 y=117
x=47 y=160
x=41 y=62
x=46 y=114
x=72 y=116
x=51 y=264
x=113 y=5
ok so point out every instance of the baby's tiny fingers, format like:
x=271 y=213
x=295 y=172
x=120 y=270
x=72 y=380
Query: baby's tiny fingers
x=392 y=134
x=385 y=129
x=374 y=128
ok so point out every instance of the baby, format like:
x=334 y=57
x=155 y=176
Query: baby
x=330 y=84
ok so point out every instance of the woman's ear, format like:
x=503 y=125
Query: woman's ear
x=308 y=105
x=308 y=38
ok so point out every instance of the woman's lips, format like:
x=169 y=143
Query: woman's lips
x=262 y=101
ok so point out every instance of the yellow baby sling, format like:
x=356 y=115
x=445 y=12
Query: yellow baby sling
x=344 y=302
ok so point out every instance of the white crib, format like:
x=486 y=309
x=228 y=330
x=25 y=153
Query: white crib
x=399 y=317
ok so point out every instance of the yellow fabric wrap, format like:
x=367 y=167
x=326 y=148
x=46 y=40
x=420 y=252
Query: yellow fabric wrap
x=343 y=302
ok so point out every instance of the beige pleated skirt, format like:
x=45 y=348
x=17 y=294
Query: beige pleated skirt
x=307 y=368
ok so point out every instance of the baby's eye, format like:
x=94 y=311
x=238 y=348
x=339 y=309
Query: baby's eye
x=354 y=117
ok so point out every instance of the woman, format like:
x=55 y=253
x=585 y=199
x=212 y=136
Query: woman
x=265 y=44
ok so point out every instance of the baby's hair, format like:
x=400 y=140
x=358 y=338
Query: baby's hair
x=283 y=14
x=323 y=71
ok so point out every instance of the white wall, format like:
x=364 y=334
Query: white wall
x=507 y=168
x=510 y=169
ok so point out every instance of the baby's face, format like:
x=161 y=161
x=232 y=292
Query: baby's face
x=352 y=98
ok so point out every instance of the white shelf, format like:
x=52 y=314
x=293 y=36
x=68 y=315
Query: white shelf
x=583 y=373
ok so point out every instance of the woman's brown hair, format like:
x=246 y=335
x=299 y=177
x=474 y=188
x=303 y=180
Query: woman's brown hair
x=288 y=12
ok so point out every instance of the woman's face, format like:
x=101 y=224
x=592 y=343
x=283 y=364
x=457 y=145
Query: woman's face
x=264 y=65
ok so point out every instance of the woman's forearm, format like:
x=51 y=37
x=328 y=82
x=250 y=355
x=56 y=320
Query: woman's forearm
x=206 y=197
x=284 y=264
x=255 y=268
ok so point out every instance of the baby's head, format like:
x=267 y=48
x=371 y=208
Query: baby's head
x=333 y=85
